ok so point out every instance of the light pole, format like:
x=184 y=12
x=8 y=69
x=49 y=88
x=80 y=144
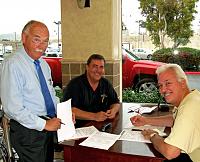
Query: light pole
x=139 y=23
x=58 y=24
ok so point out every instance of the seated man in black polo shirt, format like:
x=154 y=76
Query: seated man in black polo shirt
x=93 y=97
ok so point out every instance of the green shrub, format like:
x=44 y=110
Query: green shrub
x=128 y=95
x=187 y=58
x=59 y=92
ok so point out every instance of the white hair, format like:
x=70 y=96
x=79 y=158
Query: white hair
x=180 y=74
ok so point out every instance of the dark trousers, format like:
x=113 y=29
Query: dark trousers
x=31 y=145
x=181 y=158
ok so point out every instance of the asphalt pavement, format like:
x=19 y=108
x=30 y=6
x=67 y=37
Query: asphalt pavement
x=194 y=81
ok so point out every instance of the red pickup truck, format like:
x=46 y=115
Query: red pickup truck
x=138 y=74
x=55 y=65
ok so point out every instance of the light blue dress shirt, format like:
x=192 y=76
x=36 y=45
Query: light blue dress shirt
x=21 y=95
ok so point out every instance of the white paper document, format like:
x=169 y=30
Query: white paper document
x=129 y=135
x=134 y=133
x=64 y=113
x=101 y=140
x=84 y=132
x=141 y=109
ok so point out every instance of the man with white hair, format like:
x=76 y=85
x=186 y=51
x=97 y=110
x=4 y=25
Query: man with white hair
x=183 y=143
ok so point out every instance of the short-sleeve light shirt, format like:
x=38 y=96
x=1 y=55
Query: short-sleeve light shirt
x=185 y=133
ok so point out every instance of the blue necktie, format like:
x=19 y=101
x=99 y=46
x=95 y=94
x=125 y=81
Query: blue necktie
x=45 y=91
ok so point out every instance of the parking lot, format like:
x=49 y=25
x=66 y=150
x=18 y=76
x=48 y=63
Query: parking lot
x=194 y=80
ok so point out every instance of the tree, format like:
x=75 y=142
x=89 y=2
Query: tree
x=172 y=18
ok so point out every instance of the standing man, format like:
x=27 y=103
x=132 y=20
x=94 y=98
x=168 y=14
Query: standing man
x=184 y=138
x=23 y=99
x=93 y=97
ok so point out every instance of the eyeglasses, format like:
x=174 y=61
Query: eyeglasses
x=38 y=41
x=142 y=109
x=165 y=84
x=136 y=110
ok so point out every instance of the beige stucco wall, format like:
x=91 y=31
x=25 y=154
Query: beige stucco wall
x=95 y=29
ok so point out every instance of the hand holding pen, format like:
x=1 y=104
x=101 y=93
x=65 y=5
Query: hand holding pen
x=48 y=118
x=138 y=120
x=53 y=124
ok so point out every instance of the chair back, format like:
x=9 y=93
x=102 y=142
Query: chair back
x=6 y=135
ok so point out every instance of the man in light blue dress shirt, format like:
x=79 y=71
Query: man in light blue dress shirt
x=22 y=98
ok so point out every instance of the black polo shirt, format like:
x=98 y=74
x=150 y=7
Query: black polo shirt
x=85 y=98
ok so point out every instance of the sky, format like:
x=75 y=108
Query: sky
x=14 y=14
x=131 y=14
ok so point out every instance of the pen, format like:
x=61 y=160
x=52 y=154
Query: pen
x=62 y=123
x=48 y=118
x=136 y=129
x=130 y=111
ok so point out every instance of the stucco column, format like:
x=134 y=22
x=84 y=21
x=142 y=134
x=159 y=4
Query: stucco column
x=94 y=29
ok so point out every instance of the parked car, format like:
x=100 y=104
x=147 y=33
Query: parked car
x=138 y=74
x=1 y=56
x=1 y=59
x=53 y=52
x=143 y=53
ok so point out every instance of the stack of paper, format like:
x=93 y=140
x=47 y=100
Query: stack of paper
x=64 y=113
x=67 y=130
x=100 y=140
x=84 y=132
